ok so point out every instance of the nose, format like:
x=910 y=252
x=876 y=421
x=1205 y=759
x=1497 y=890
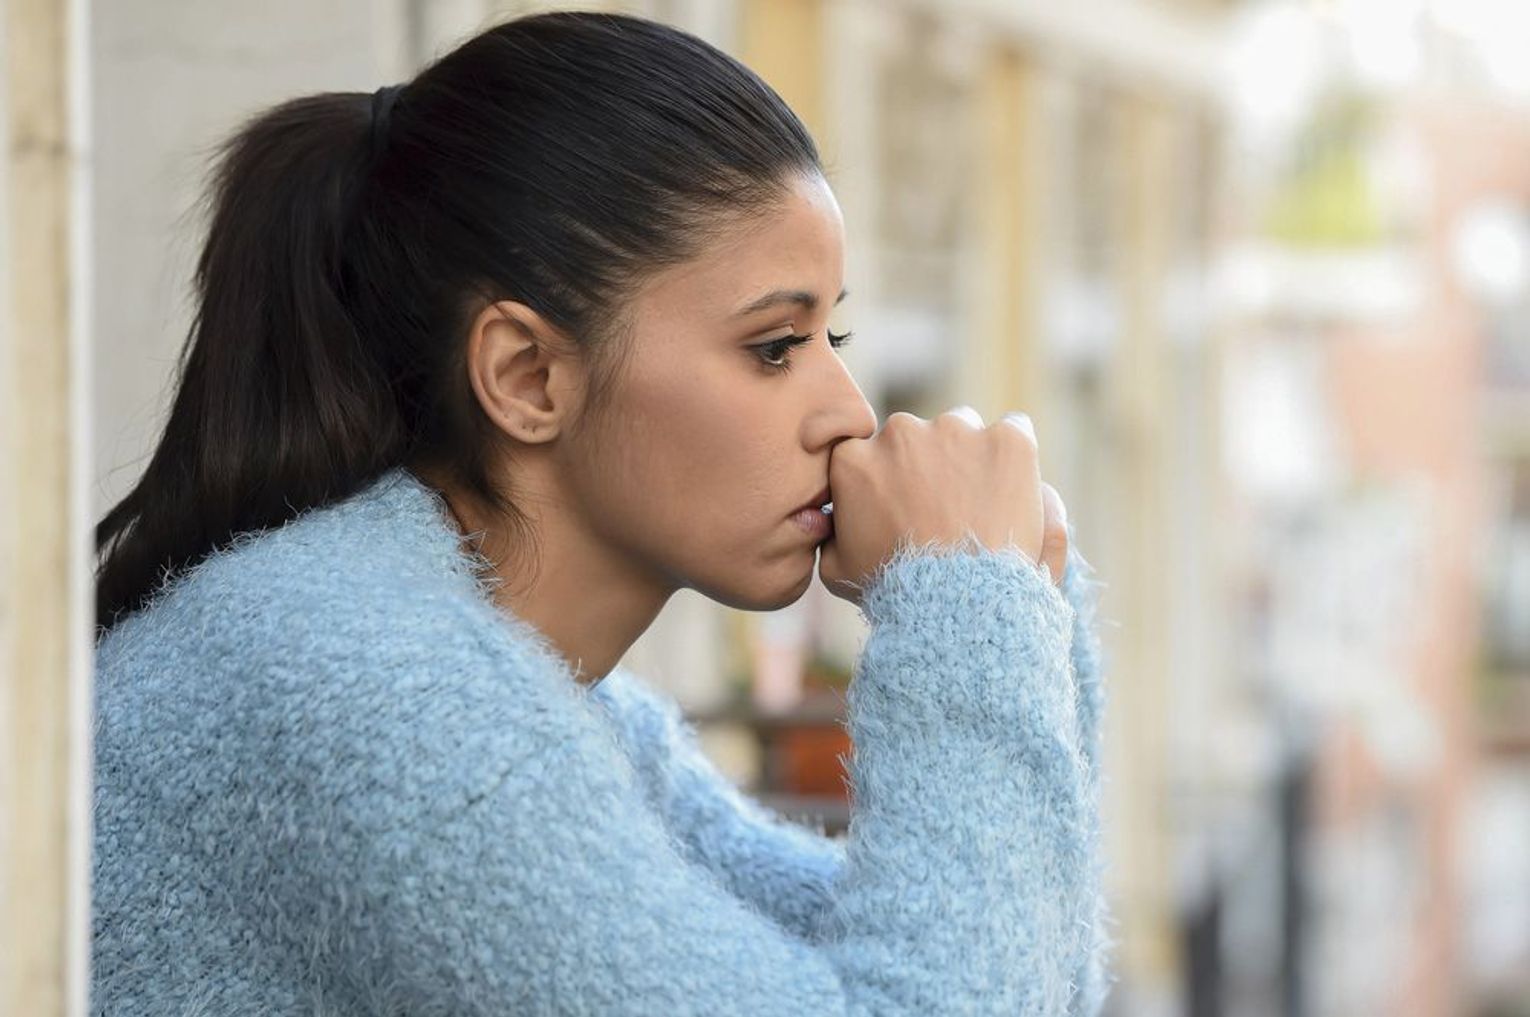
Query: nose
x=843 y=410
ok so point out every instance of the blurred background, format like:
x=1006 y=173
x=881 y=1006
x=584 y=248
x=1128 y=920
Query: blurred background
x=1260 y=272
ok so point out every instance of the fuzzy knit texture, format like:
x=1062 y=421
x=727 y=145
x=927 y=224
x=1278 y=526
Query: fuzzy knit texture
x=333 y=778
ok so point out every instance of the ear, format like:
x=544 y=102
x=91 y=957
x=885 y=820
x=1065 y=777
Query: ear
x=524 y=371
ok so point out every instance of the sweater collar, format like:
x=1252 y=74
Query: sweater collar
x=406 y=504
x=402 y=502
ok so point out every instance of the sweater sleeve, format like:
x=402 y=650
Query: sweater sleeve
x=783 y=868
x=1083 y=592
x=449 y=837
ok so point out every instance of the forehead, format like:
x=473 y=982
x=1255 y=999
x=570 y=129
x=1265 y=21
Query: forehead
x=796 y=245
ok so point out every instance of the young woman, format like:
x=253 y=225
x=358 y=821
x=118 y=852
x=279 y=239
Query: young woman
x=486 y=366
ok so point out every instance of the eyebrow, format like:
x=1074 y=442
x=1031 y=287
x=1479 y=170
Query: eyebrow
x=803 y=297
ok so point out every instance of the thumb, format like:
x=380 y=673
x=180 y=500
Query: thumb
x=830 y=572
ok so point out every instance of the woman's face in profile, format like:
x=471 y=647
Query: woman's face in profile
x=706 y=450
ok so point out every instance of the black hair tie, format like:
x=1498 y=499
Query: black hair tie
x=382 y=108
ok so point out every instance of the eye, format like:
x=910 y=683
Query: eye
x=776 y=354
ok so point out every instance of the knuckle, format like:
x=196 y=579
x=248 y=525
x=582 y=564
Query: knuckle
x=1017 y=442
x=1017 y=435
x=964 y=415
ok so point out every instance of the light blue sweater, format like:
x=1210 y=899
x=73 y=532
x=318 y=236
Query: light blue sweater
x=333 y=778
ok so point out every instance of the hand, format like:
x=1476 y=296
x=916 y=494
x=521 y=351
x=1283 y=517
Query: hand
x=943 y=480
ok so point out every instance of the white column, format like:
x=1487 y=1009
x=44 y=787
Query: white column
x=44 y=590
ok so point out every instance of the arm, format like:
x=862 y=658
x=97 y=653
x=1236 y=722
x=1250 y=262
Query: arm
x=450 y=828
x=782 y=868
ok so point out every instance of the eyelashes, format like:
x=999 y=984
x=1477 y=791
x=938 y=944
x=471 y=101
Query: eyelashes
x=776 y=354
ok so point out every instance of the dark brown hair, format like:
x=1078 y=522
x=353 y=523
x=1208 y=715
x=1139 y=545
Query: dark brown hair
x=555 y=160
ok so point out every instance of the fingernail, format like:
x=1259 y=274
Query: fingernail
x=1023 y=421
x=970 y=413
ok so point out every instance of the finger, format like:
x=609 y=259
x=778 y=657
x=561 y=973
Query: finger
x=829 y=573
x=1054 y=544
x=1023 y=421
x=968 y=414
x=827 y=563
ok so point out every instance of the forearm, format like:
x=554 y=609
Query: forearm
x=788 y=871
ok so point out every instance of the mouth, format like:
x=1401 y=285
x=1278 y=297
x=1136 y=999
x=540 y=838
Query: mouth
x=813 y=520
x=821 y=500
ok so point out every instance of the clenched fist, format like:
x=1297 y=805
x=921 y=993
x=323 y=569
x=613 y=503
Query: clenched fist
x=944 y=480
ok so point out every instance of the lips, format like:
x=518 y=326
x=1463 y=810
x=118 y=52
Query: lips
x=817 y=501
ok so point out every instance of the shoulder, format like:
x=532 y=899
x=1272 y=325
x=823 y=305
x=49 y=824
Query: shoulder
x=365 y=644
x=346 y=616
x=381 y=566
x=371 y=698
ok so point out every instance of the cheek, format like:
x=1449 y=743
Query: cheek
x=706 y=452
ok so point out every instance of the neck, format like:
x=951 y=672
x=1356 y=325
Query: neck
x=589 y=602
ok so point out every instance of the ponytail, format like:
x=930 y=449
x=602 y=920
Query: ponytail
x=279 y=405
x=555 y=159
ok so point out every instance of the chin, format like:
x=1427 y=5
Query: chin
x=760 y=596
